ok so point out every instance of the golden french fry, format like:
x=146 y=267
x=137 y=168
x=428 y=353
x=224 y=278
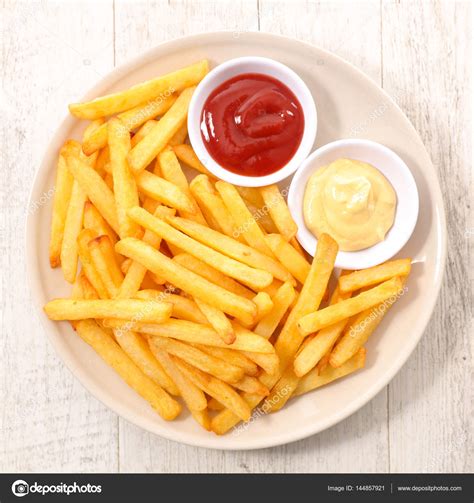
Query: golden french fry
x=136 y=272
x=264 y=304
x=180 y=136
x=254 y=278
x=309 y=299
x=137 y=349
x=62 y=196
x=290 y=339
x=195 y=333
x=163 y=191
x=213 y=275
x=359 y=329
x=374 y=275
x=218 y=320
x=130 y=119
x=262 y=217
x=191 y=283
x=186 y=154
x=191 y=394
x=216 y=388
x=227 y=419
x=113 y=355
x=72 y=228
x=231 y=247
x=200 y=359
x=213 y=404
x=142 y=132
x=251 y=385
x=96 y=189
x=251 y=195
x=146 y=150
x=314 y=380
x=125 y=187
x=232 y=357
x=211 y=204
x=83 y=240
x=125 y=265
x=171 y=170
x=144 y=92
x=123 y=309
x=295 y=244
x=315 y=347
x=88 y=291
x=244 y=220
x=315 y=321
x=282 y=300
x=103 y=258
x=183 y=307
x=286 y=254
x=202 y=418
x=269 y=362
x=95 y=221
x=279 y=211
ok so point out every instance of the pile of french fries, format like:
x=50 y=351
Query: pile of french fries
x=194 y=290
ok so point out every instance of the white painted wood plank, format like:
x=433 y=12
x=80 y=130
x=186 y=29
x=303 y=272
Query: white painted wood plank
x=52 y=52
x=359 y=443
x=426 y=50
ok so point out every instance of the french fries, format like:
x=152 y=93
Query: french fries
x=314 y=379
x=62 y=196
x=374 y=275
x=200 y=359
x=279 y=211
x=287 y=254
x=255 y=278
x=130 y=119
x=125 y=187
x=231 y=247
x=218 y=320
x=141 y=93
x=212 y=205
x=96 y=190
x=244 y=220
x=164 y=192
x=216 y=388
x=194 y=398
x=282 y=300
x=315 y=347
x=191 y=287
x=111 y=353
x=196 y=333
x=191 y=283
x=130 y=309
x=186 y=155
x=146 y=150
x=313 y=322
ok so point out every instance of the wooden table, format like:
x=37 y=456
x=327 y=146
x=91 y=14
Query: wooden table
x=420 y=52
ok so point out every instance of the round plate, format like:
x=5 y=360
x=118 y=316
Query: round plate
x=346 y=98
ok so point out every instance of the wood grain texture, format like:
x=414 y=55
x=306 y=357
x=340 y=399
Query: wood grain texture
x=417 y=51
x=51 y=54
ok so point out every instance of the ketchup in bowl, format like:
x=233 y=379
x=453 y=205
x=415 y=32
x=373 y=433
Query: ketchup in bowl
x=252 y=124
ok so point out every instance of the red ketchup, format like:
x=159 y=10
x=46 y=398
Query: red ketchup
x=252 y=124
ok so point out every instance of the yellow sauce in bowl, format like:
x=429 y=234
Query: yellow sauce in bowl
x=352 y=201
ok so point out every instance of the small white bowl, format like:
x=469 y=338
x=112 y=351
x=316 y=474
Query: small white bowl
x=396 y=172
x=265 y=66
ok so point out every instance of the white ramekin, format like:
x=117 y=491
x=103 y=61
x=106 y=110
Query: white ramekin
x=265 y=66
x=396 y=172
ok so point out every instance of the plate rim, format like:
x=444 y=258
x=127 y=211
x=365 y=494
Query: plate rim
x=33 y=280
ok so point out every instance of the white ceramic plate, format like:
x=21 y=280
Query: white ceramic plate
x=346 y=99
